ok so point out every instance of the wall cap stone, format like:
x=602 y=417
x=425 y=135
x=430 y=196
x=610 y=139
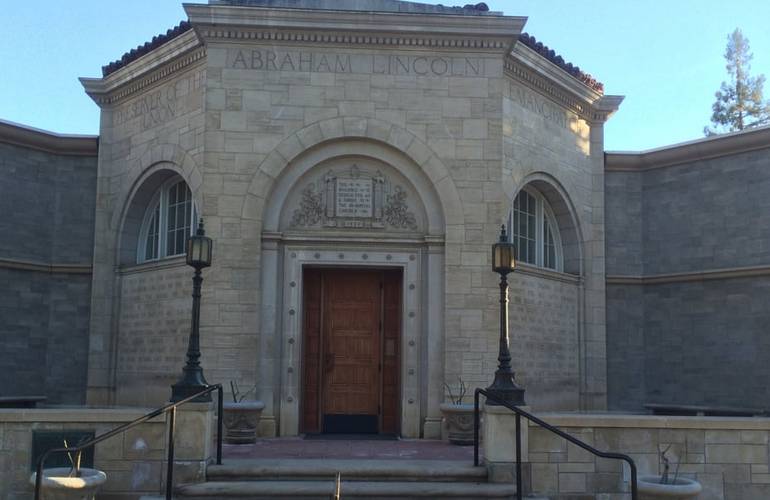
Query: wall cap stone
x=691 y=276
x=43 y=267
x=688 y=152
x=653 y=421
x=80 y=414
x=50 y=142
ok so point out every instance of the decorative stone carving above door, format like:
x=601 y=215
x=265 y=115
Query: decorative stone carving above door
x=354 y=197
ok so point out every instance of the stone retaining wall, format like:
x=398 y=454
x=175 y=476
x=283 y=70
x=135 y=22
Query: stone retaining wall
x=728 y=456
x=133 y=461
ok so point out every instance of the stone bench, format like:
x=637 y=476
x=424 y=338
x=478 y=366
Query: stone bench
x=704 y=411
x=20 y=401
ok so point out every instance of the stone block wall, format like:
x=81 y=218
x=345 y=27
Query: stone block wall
x=133 y=461
x=48 y=202
x=728 y=456
x=687 y=260
x=154 y=328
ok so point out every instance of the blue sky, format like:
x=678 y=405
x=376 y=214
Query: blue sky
x=666 y=57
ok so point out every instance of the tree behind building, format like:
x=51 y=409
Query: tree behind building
x=739 y=102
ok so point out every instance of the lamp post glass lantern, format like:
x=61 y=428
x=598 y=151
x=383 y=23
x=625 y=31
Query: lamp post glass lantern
x=504 y=387
x=192 y=381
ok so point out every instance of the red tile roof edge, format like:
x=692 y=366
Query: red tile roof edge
x=141 y=50
x=574 y=71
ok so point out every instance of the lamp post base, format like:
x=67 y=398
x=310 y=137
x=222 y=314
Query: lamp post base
x=180 y=391
x=505 y=388
x=191 y=383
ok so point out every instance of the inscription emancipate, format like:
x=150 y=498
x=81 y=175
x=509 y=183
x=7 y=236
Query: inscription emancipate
x=314 y=62
x=536 y=104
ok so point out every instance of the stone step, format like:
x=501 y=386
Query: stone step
x=322 y=490
x=349 y=470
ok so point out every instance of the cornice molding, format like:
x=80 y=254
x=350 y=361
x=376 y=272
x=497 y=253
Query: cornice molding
x=391 y=39
x=529 y=68
x=218 y=22
x=42 y=267
x=50 y=142
x=167 y=59
x=688 y=152
x=531 y=59
x=693 y=276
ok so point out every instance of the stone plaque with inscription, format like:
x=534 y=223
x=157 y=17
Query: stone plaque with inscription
x=354 y=198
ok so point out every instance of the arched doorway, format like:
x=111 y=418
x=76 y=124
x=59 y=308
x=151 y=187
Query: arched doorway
x=352 y=227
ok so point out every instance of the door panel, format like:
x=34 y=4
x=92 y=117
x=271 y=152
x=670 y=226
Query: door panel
x=351 y=342
x=351 y=351
x=391 y=332
x=311 y=350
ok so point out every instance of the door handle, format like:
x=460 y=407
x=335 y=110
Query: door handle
x=329 y=361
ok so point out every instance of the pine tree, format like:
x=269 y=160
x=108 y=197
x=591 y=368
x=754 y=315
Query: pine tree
x=739 y=103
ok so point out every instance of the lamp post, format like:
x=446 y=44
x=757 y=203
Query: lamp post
x=192 y=381
x=503 y=262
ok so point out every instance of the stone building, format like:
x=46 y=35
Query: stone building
x=354 y=167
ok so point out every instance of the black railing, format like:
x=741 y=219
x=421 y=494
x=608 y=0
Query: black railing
x=521 y=413
x=171 y=410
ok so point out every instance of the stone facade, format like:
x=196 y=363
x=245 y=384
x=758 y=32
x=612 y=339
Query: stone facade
x=264 y=121
x=47 y=198
x=687 y=274
x=261 y=118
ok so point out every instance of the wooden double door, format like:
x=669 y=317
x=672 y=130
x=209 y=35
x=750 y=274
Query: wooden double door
x=351 y=351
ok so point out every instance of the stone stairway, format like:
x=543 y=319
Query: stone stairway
x=370 y=478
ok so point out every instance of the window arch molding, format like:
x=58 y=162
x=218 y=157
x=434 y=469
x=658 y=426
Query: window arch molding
x=169 y=219
x=534 y=231
x=563 y=215
x=136 y=203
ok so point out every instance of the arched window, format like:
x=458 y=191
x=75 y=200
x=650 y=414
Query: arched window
x=168 y=222
x=534 y=231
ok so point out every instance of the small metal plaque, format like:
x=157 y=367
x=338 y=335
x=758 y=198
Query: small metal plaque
x=354 y=198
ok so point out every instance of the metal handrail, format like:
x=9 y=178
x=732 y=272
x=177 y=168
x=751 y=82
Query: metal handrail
x=521 y=413
x=169 y=408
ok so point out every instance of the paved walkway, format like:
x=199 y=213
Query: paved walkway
x=297 y=447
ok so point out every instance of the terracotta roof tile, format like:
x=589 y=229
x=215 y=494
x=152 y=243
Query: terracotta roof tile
x=559 y=61
x=141 y=50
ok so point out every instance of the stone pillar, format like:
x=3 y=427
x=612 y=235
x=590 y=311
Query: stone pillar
x=499 y=444
x=194 y=445
x=434 y=345
x=269 y=339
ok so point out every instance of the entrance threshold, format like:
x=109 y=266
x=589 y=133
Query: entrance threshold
x=352 y=437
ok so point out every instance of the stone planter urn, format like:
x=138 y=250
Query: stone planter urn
x=241 y=421
x=57 y=485
x=650 y=488
x=459 y=422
